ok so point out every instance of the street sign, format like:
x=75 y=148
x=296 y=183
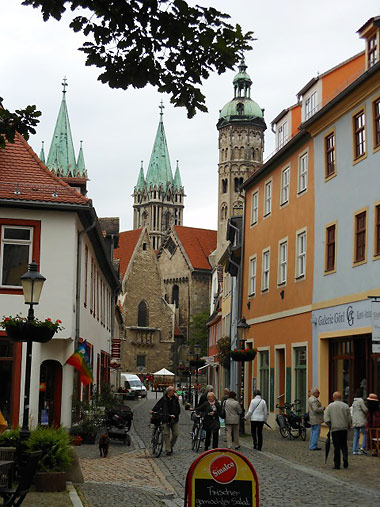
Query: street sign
x=221 y=477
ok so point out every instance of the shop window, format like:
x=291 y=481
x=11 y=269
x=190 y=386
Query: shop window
x=300 y=362
x=264 y=374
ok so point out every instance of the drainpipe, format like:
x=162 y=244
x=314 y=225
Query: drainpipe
x=78 y=284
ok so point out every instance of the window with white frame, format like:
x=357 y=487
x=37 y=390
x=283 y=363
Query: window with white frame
x=268 y=198
x=252 y=276
x=301 y=254
x=16 y=254
x=265 y=270
x=255 y=208
x=310 y=105
x=282 y=134
x=285 y=180
x=282 y=262
x=302 y=172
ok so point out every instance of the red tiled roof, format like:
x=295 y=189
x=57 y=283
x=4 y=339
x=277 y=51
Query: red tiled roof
x=23 y=177
x=127 y=243
x=198 y=244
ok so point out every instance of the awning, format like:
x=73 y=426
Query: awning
x=164 y=373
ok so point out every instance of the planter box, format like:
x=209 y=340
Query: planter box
x=50 y=481
x=25 y=332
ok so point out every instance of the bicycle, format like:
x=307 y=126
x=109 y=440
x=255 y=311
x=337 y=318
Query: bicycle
x=291 y=424
x=157 y=434
x=196 y=432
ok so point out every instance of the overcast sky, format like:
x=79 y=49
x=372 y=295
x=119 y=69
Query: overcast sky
x=296 y=39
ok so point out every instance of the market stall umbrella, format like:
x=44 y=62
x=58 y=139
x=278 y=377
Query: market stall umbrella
x=163 y=373
x=327 y=446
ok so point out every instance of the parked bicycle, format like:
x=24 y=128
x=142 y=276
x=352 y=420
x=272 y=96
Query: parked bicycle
x=197 y=431
x=157 y=434
x=291 y=424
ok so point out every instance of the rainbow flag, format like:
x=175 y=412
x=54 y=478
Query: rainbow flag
x=81 y=361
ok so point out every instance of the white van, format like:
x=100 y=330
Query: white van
x=133 y=383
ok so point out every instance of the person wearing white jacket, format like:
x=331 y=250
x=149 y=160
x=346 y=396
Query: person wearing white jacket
x=257 y=414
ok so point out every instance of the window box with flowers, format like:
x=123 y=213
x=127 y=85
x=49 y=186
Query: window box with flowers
x=243 y=355
x=20 y=329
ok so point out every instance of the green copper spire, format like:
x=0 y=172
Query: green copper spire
x=141 y=180
x=42 y=153
x=177 y=179
x=61 y=158
x=81 y=168
x=159 y=170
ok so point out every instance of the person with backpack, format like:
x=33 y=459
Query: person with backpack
x=232 y=411
x=257 y=414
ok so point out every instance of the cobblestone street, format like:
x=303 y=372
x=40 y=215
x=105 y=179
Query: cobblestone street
x=286 y=470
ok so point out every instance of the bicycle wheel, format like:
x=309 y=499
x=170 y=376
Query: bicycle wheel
x=194 y=436
x=284 y=432
x=199 y=438
x=295 y=432
x=157 y=442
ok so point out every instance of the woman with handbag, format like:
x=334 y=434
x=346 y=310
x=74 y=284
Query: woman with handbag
x=257 y=414
x=211 y=411
x=232 y=416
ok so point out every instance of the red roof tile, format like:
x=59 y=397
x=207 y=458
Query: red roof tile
x=198 y=244
x=127 y=243
x=23 y=177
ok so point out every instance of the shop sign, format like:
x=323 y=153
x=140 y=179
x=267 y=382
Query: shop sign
x=349 y=316
x=223 y=478
x=375 y=327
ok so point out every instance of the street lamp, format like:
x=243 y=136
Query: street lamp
x=197 y=350
x=32 y=283
x=242 y=328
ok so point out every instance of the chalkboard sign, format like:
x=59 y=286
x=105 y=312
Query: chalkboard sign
x=221 y=477
x=208 y=492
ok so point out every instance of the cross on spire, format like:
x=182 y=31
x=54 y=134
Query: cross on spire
x=64 y=84
x=161 y=107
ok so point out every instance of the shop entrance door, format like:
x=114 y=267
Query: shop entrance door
x=49 y=412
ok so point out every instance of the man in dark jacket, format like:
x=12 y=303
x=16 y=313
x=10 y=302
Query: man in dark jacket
x=169 y=407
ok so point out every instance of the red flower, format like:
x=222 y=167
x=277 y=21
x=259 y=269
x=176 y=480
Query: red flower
x=6 y=318
x=48 y=319
x=59 y=321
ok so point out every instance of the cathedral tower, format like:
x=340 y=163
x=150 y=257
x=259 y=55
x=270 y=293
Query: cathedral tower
x=158 y=198
x=241 y=129
x=61 y=158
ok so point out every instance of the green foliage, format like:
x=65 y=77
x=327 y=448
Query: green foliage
x=165 y=43
x=55 y=446
x=224 y=350
x=9 y=438
x=22 y=121
x=89 y=415
x=199 y=332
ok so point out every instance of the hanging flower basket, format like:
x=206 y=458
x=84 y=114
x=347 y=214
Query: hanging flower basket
x=197 y=363
x=243 y=355
x=20 y=329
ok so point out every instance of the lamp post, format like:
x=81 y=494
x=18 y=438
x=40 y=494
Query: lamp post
x=32 y=283
x=242 y=328
x=187 y=365
x=197 y=350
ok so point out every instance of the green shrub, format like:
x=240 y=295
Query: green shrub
x=10 y=438
x=54 y=443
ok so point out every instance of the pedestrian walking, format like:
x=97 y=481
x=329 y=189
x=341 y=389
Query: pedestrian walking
x=316 y=419
x=211 y=411
x=359 y=421
x=338 y=418
x=373 y=416
x=169 y=407
x=257 y=414
x=203 y=397
x=233 y=410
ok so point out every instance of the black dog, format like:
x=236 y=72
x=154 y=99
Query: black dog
x=104 y=445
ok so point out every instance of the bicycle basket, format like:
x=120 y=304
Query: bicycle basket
x=155 y=419
x=280 y=420
x=294 y=420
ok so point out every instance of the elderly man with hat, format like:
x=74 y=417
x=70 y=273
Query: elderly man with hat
x=316 y=419
x=338 y=419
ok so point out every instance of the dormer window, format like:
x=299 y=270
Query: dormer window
x=310 y=105
x=372 y=51
x=240 y=108
x=282 y=134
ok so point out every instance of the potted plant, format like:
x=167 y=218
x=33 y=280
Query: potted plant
x=56 y=458
x=21 y=329
x=243 y=355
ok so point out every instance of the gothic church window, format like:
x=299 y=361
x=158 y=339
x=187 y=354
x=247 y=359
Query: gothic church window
x=175 y=296
x=167 y=220
x=224 y=185
x=224 y=211
x=238 y=182
x=142 y=314
x=170 y=246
